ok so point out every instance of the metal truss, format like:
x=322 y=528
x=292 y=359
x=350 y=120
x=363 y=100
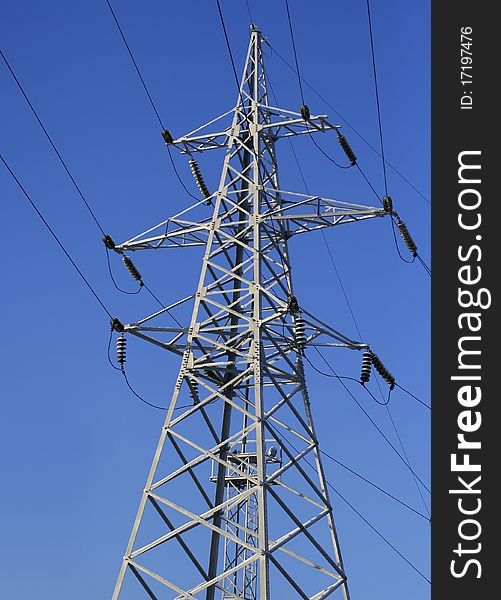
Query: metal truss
x=230 y=508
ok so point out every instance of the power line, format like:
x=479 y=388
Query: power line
x=348 y=303
x=356 y=163
x=413 y=396
x=137 y=395
x=325 y=240
x=149 y=96
x=65 y=166
x=372 y=484
x=366 y=521
x=380 y=128
x=320 y=372
x=335 y=111
x=249 y=11
x=407 y=459
x=228 y=43
x=301 y=173
x=300 y=83
x=425 y=266
x=295 y=51
x=124 y=39
x=376 y=88
x=73 y=180
x=334 y=162
x=331 y=368
x=51 y=231
x=141 y=285
x=369 y=524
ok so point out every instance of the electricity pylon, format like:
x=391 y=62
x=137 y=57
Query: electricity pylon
x=236 y=503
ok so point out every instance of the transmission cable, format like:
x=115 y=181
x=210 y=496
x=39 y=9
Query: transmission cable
x=221 y=18
x=301 y=173
x=384 y=403
x=407 y=459
x=72 y=179
x=378 y=105
x=380 y=128
x=65 y=166
x=149 y=96
x=366 y=521
x=137 y=395
x=249 y=11
x=374 y=485
x=324 y=374
x=413 y=396
x=51 y=231
x=141 y=284
x=300 y=82
x=331 y=368
x=327 y=103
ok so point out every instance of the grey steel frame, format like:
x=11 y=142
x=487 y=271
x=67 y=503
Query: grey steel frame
x=243 y=369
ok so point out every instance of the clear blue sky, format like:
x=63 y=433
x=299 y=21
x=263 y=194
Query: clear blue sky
x=75 y=446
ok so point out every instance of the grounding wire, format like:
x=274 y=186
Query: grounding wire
x=331 y=368
x=366 y=521
x=54 y=235
x=327 y=103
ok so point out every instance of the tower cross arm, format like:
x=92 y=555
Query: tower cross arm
x=279 y=124
x=301 y=213
x=186 y=229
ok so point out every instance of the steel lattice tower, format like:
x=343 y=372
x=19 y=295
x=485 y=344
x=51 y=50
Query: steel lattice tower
x=232 y=507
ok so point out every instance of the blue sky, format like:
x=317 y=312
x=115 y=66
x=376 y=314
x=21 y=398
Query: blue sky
x=75 y=445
